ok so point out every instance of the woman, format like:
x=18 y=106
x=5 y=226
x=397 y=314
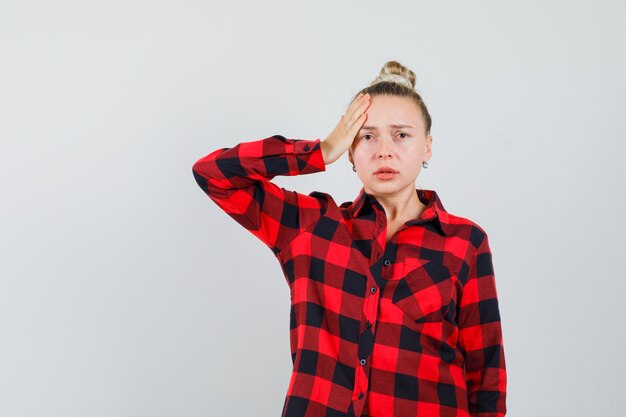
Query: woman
x=394 y=310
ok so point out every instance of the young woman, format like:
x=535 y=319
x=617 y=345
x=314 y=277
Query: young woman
x=394 y=310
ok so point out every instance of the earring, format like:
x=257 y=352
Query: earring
x=425 y=164
x=353 y=168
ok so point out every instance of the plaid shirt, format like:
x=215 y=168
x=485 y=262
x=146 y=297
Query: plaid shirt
x=403 y=327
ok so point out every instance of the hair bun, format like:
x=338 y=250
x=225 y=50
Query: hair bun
x=397 y=73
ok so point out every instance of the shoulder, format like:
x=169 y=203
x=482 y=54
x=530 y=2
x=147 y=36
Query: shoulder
x=325 y=198
x=467 y=229
x=321 y=195
x=322 y=200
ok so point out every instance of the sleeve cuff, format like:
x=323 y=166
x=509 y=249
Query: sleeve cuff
x=311 y=151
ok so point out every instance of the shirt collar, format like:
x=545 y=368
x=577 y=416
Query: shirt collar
x=434 y=210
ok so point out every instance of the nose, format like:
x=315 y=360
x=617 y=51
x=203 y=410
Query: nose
x=382 y=151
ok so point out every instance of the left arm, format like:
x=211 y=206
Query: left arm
x=480 y=336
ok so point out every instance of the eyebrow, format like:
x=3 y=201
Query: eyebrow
x=397 y=126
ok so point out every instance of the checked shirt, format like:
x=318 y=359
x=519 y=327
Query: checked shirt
x=406 y=327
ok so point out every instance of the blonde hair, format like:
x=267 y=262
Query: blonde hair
x=395 y=79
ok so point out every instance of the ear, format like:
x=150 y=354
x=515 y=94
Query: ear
x=428 y=148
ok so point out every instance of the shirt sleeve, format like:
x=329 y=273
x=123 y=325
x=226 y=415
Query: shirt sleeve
x=237 y=179
x=480 y=335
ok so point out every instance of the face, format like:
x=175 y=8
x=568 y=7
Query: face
x=392 y=136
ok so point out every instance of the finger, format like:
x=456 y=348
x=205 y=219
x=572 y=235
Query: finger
x=359 y=108
x=354 y=129
x=356 y=103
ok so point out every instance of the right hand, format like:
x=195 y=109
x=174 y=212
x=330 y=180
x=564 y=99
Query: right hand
x=340 y=139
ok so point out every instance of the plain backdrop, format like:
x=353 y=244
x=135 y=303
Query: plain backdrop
x=125 y=291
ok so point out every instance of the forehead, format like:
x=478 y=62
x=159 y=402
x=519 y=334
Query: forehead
x=392 y=111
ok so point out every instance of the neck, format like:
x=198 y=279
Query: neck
x=401 y=206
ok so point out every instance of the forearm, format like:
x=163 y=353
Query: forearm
x=260 y=160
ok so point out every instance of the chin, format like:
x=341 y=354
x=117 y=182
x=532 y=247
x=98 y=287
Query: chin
x=384 y=188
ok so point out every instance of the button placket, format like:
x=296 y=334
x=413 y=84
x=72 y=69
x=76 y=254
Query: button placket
x=367 y=337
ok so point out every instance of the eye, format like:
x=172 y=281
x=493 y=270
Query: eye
x=402 y=133
x=366 y=137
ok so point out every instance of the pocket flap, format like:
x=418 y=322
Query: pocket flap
x=425 y=289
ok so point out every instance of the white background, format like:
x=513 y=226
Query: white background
x=124 y=291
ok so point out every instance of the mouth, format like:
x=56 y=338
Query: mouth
x=385 y=170
x=385 y=173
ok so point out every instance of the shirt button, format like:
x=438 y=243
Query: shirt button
x=368 y=325
x=363 y=361
x=387 y=262
x=361 y=395
x=373 y=290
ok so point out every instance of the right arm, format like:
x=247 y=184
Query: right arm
x=237 y=179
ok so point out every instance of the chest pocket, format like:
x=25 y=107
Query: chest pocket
x=424 y=291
